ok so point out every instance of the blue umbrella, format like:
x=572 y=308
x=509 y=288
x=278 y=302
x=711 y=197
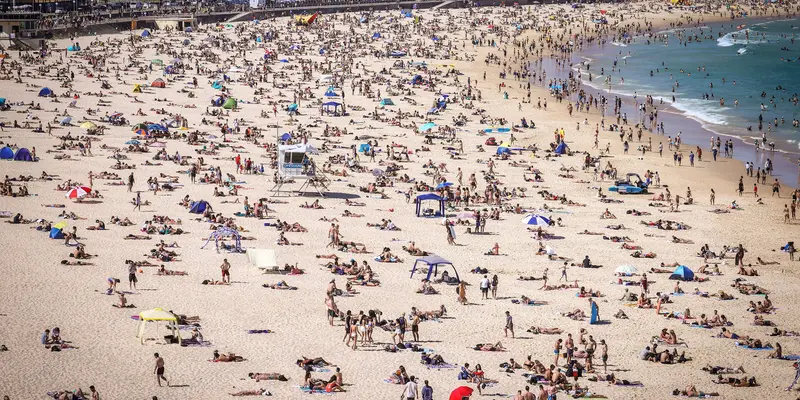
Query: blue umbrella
x=427 y=126
x=535 y=219
x=133 y=142
x=443 y=185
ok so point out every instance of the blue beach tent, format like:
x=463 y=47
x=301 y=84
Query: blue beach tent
x=199 y=207
x=6 y=153
x=23 y=154
x=45 y=92
x=682 y=273
x=56 y=233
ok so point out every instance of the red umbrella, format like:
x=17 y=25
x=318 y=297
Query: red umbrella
x=78 y=192
x=603 y=11
x=461 y=393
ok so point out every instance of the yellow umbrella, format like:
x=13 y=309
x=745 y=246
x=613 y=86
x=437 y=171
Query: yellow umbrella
x=88 y=125
x=60 y=225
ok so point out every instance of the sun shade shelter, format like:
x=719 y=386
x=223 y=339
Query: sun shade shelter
x=7 y=153
x=434 y=262
x=158 y=315
x=199 y=207
x=23 y=154
x=682 y=273
x=430 y=197
x=159 y=83
x=263 y=259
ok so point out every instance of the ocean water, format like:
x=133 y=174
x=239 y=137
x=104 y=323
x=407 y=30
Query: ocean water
x=756 y=63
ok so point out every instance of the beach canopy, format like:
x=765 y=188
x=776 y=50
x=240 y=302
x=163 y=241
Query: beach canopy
x=158 y=315
x=66 y=120
x=625 y=270
x=229 y=104
x=188 y=29
x=536 y=219
x=430 y=197
x=45 y=92
x=199 y=207
x=387 y=102
x=23 y=154
x=159 y=83
x=427 y=126
x=433 y=262
x=7 y=153
x=461 y=393
x=682 y=273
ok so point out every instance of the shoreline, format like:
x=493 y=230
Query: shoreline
x=696 y=132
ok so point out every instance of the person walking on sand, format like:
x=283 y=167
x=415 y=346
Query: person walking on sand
x=95 y=394
x=563 y=273
x=427 y=392
x=226 y=270
x=159 y=370
x=137 y=202
x=509 y=325
x=485 y=283
x=462 y=293
x=410 y=391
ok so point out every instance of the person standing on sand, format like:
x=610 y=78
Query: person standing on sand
x=331 y=306
x=159 y=370
x=411 y=391
x=427 y=392
x=226 y=270
x=712 y=197
x=95 y=395
x=132 y=276
x=557 y=351
x=137 y=202
x=130 y=182
x=415 y=329
x=509 y=325
x=485 y=283
x=563 y=273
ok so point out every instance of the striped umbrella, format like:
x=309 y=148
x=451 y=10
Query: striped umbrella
x=78 y=192
x=535 y=219
x=141 y=132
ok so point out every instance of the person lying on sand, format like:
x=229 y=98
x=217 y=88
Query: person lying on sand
x=691 y=391
x=489 y=347
x=213 y=282
x=281 y=285
x=253 y=392
x=762 y=262
x=576 y=314
x=267 y=376
x=230 y=357
x=314 y=362
x=716 y=370
x=747 y=271
x=77 y=262
x=736 y=382
x=426 y=315
x=544 y=331
x=164 y=271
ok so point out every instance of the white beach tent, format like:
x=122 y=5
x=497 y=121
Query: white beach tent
x=263 y=259
x=157 y=315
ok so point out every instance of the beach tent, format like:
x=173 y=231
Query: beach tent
x=292 y=107
x=263 y=259
x=137 y=88
x=364 y=148
x=216 y=85
x=45 y=92
x=430 y=197
x=159 y=83
x=595 y=317
x=57 y=230
x=416 y=80
x=158 y=315
x=503 y=150
x=229 y=104
x=23 y=154
x=397 y=53
x=536 y=219
x=6 y=153
x=2 y=101
x=224 y=232
x=331 y=93
x=74 y=48
x=376 y=35
x=387 y=102
x=433 y=262
x=217 y=101
x=199 y=207
x=285 y=137
x=188 y=29
x=146 y=33
x=562 y=148
x=186 y=42
x=682 y=273
x=66 y=120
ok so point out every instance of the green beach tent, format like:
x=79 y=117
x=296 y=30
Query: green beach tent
x=229 y=104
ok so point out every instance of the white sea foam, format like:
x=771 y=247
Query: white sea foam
x=702 y=110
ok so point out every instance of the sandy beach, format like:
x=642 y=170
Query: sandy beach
x=456 y=78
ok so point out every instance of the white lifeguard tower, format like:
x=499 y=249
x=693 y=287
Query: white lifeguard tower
x=295 y=165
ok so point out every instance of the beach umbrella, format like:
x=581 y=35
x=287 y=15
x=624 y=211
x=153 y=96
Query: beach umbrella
x=138 y=126
x=427 y=126
x=461 y=393
x=625 y=270
x=443 y=185
x=78 y=192
x=60 y=225
x=140 y=132
x=2 y=101
x=536 y=219
x=88 y=125
x=134 y=141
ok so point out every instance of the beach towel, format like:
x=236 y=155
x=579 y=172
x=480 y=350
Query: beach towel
x=309 y=391
x=744 y=346
x=442 y=366
x=259 y=331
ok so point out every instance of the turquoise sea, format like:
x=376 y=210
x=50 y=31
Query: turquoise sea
x=753 y=62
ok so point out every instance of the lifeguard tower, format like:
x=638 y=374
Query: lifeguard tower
x=296 y=165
